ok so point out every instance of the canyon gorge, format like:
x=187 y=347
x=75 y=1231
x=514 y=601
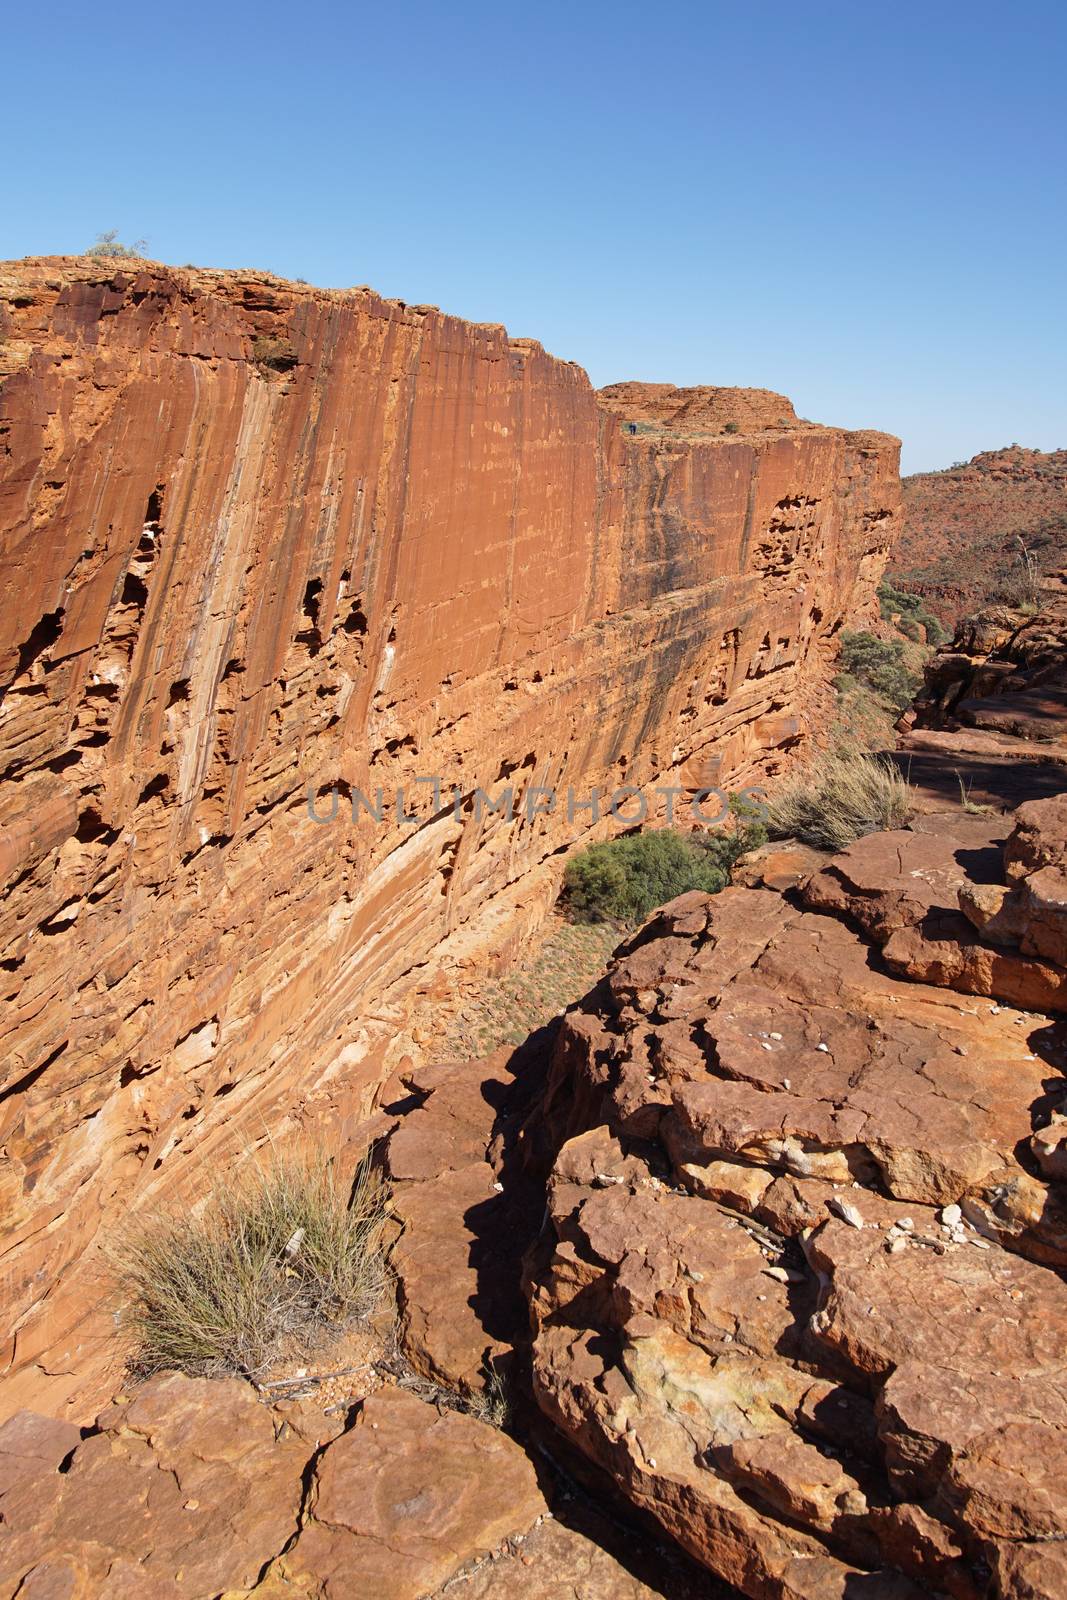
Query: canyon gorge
x=331 y=628
x=260 y=540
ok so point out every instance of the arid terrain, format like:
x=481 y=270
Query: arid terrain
x=721 y=1254
x=977 y=532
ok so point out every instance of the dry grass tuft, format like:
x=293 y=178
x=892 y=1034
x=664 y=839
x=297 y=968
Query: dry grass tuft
x=840 y=796
x=286 y=1255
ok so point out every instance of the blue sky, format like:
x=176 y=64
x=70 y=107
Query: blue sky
x=860 y=205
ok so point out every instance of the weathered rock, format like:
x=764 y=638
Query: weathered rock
x=1007 y=940
x=256 y=537
x=1002 y=675
x=190 y=1490
x=555 y=1560
x=407 y=1497
x=184 y=1491
x=460 y=1234
x=795 y=1296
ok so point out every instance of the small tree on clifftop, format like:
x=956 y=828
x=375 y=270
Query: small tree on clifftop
x=108 y=245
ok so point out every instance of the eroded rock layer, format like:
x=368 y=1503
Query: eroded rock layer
x=256 y=537
x=800 y=1288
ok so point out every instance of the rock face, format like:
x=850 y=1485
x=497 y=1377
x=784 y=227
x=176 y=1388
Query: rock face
x=983 y=507
x=256 y=538
x=800 y=1288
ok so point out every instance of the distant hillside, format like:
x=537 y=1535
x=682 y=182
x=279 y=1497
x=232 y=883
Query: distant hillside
x=960 y=547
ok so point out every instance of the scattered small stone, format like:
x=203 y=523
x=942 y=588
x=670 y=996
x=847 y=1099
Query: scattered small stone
x=951 y=1216
x=897 y=1243
x=783 y=1275
x=825 y=1048
x=846 y=1211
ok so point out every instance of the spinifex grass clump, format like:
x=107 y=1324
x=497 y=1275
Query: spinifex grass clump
x=273 y=1261
x=837 y=798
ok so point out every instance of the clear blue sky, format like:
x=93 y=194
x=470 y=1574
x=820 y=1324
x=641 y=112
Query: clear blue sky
x=861 y=205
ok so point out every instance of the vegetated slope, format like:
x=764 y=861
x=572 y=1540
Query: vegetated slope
x=960 y=545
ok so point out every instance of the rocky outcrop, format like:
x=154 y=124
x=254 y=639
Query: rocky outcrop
x=989 y=725
x=1003 y=674
x=257 y=538
x=700 y=411
x=799 y=1291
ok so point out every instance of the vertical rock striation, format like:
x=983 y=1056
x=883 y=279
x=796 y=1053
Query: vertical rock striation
x=256 y=537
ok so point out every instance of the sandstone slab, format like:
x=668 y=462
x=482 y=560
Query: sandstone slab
x=406 y=1498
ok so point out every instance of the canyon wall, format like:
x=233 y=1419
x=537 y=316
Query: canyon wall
x=256 y=537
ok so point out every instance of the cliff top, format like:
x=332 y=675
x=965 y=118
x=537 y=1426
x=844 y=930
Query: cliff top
x=708 y=412
x=704 y=412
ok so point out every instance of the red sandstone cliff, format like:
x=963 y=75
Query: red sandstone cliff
x=255 y=535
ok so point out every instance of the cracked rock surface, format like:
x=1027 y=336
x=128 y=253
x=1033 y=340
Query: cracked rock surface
x=799 y=1291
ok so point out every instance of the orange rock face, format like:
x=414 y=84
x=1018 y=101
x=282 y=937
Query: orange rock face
x=256 y=537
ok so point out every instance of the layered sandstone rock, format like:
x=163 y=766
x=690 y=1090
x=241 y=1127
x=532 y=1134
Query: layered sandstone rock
x=256 y=537
x=800 y=1290
x=1003 y=675
x=700 y=411
x=991 y=718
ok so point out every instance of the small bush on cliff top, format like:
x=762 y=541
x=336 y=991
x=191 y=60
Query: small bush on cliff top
x=108 y=245
x=282 y=1256
x=840 y=796
x=623 y=880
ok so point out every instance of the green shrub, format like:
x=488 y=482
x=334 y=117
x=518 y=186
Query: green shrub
x=623 y=880
x=911 y=611
x=731 y=427
x=840 y=796
x=880 y=664
x=273 y=355
x=283 y=1255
